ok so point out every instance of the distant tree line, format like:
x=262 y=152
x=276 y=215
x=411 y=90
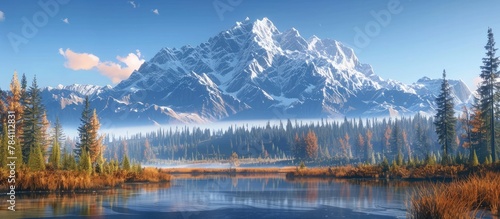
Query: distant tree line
x=471 y=137
x=446 y=138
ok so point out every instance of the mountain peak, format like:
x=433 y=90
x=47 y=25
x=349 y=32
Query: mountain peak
x=264 y=26
x=250 y=69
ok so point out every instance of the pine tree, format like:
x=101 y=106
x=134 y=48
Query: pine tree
x=33 y=112
x=386 y=142
x=395 y=142
x=68 y=161
x=55 y=156
x=478 y=134
x=84 y=129
x=84 y=163
x=125 y=162
x=35 y=160
x=445 y=120
x=57 y=132
x=24 y=89
x=489 y=92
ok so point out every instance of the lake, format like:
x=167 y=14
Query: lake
x=216 y=196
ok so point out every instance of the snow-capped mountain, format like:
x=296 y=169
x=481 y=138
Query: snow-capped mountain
x=252 y=71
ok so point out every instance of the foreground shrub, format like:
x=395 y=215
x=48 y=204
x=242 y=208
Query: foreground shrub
x=459 y=199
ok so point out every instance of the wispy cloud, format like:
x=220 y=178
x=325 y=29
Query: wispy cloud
x=115 y=71
x=133 y=4
x=156 y=11
x=65 y=20
x=2 y=16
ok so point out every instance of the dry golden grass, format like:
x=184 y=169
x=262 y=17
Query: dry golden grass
x=397 y=172
x=459 y=199
x=150 y=175
x=64 y=180
x=362 y=171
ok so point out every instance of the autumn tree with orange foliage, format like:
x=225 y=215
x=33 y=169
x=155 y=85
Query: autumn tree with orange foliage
x=478 y=136
x=311 y=143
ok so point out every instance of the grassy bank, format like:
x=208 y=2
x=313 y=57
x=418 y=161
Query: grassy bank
x=459 y=199
x=394 y=171
x=65 y=180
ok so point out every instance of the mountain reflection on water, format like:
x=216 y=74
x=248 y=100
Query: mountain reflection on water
x=263 y=196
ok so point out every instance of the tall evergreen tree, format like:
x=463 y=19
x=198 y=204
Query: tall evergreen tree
x=489 y=92
x=396 y=142
x=35 y=160
x=33 y=113
x=55 y=156
x=84 y=163
x=58 y=134
x=445 y=120
x=84 y=129
x=125 y=162
x=24 y=90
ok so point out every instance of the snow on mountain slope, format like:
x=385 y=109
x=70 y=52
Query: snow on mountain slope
x=251 y=70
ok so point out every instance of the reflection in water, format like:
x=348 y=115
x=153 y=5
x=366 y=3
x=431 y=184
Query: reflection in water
x=209 y=193
x=92 y=203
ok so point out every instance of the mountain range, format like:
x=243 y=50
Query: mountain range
x=250 y=71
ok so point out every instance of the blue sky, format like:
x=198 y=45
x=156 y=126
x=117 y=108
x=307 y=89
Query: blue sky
x=421 y=38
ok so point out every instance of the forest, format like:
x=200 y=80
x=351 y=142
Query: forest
x=449 y=137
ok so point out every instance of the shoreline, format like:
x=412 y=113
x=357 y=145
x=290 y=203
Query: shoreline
x=422 y=172
x=75 y=181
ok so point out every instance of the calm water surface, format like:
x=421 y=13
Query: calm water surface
x=257 y=196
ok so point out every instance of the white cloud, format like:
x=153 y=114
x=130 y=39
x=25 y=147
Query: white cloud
x=65 y=20
x=156 y=11
x=133 y=4
x=115 y=71
x=2 y=16
x=79 y=61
